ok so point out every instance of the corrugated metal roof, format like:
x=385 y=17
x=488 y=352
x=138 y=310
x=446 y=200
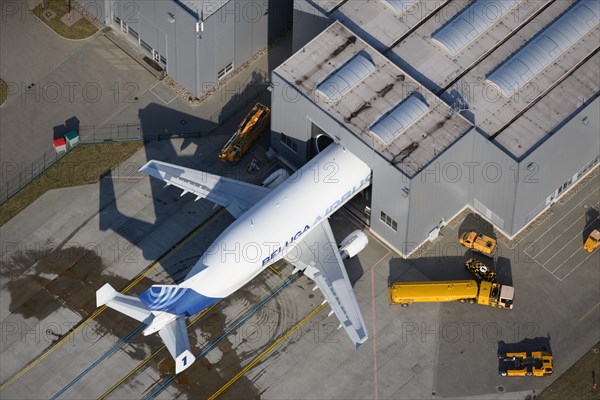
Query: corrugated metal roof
x=342 y=80
x=541 y=52
x=471 y=22
x=399 y=119
x=400 y=6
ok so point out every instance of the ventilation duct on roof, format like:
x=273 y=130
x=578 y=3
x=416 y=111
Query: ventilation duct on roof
x=399 y=119
x=545 y=48
x=470 y=23
x=400 y=6
x=346 y=77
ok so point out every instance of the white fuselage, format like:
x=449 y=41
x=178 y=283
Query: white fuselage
x=281 y=219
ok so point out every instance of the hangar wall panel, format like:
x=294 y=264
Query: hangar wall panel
x=232 y=34
x=308 y=22
x=493 y=176
x=557 y=160
x=224 y=35
x=182 y=48
x=243 y=40
x=440 y=190
x=259 y=24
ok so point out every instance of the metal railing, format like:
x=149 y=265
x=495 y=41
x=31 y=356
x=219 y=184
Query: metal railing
x=28 y=173
x=93 y=134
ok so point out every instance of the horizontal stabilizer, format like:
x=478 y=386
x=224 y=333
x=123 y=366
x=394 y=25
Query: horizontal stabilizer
x=128 y=305
x=175 y=337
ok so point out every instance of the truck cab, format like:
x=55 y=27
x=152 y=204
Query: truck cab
x=479 y=242
x=593 y=241
x=507 y=294
x=537 y=363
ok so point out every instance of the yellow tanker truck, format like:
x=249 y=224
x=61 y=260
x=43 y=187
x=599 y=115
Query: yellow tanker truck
x=485 y=293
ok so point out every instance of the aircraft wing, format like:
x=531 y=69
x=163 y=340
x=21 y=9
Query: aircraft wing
x=236 y=196
x=317 y=254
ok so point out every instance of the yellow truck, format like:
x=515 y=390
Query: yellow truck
x=247 y=132
x=480 y=270
x=479 y=242
x=593 y=241
x=485 y=293
x=536 y=363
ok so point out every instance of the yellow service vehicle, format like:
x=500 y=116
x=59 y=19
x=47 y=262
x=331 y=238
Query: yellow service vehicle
x=593 y=241
x=248 y=131
x=479 y=242
x=480 y=270
x=485 y=293
x=537 y=363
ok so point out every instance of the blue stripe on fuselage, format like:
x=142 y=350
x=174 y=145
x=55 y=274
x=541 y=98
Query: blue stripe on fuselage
x=175 y=300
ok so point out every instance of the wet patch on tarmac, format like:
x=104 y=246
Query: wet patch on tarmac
x=204 y=378
x=213 y=370
x=64 y=277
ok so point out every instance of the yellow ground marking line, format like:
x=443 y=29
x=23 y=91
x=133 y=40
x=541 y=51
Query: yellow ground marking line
x=133 y=371
x=265 y=352
x=101 y=309
x=274 y=270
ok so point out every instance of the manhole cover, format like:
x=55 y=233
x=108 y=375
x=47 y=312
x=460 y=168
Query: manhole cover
x=585 y=206
x=500 y=388
x=447 y=311
x=49 y=14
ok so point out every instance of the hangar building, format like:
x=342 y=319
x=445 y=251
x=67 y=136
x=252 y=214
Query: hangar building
x=486 y=104
x=197 y=42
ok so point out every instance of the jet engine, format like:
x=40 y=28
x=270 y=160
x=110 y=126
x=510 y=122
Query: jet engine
x=276 y=178
x=353 y=244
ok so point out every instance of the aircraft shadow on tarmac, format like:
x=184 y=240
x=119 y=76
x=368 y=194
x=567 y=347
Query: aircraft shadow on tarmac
x=158 y=121
x=540 y=343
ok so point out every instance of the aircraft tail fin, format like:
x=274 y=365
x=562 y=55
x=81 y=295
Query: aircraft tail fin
x=128 y=305
x=173 y=332
x=175 y=337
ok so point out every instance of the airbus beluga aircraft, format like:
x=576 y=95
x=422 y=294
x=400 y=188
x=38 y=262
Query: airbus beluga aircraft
x=286 y=218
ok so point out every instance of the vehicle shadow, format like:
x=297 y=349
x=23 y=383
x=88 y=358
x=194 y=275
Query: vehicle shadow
x=444 y=268
x=59 y=131
x=474 y=222
x=592 y=222
x=540 y=343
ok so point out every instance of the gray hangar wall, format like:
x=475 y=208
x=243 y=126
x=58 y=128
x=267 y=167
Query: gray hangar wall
x=227 y=38
x=560 y=159
x=308 y=21
x=439 y=191
x=493 y=187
